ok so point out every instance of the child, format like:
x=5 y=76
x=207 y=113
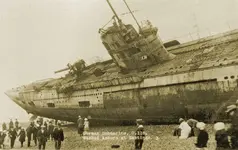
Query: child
x=221 y=136
x=202 y=136
x=22 y=136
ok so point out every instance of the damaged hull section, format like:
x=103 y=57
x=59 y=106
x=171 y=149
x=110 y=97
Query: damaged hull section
x=158 y=99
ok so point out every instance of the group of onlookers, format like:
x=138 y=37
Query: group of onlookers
x=192 y=127
x=9 y=135
x=41 y=133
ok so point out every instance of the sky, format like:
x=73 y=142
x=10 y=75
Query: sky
x=38 y=37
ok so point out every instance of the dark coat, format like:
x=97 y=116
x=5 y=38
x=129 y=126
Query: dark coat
x=16 y=124
x=29 y=131
x=221 y=137
x=11 y=125
x=42 y=136
x=58 y=134
x=12 y=134
x=202 y=139
x=140 y=135
x=35 y=130
x=46 y=126
x=2 y=137
x=51 y=128
x=80 y=123
x=22 y=136
x=234 y=120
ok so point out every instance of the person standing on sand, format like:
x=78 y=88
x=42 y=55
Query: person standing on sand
x=29 y=131
x=58 y=135
x=80 y=125
x=35 y=130
x=42 y=138
x=202 y=136
x=86 y=124
x=22 y=136
x=232 y=111
x=221 y=136
x=12 y=134
x=2 y=138
x=139 y=137
x=50 y=130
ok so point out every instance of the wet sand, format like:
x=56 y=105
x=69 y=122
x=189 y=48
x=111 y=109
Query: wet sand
x=159 y=137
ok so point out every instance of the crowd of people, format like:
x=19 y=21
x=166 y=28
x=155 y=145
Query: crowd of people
x=226 y=137
x=40 y=132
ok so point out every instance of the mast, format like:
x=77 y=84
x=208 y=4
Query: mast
x=132 y=14
x=113 y=11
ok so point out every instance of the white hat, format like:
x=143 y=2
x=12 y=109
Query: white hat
x=85 y=119
x=201 y=125
x=219 y=126
x=140 y=126
x=79 y=116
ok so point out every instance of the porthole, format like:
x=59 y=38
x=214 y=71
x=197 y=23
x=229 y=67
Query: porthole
x=232 y=77
x=225 y=77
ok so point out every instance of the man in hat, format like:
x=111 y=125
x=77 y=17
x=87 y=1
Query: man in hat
x=29 y=131
x=42 y=137
x=35 y=130
x=232 y=111
x=184 y=128
x=11 y=125
x=58 y=135
x=139 y=137
x=13 y=135
x=50 y=130
x=80 y=125
x=16 y=124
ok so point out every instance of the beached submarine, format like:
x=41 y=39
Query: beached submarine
x=146 y=78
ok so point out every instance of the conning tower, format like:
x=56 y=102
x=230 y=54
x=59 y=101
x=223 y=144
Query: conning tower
x=131 y=49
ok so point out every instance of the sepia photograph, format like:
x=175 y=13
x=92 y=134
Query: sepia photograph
x=119 y=74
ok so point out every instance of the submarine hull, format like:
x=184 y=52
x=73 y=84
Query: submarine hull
x=151 y=101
